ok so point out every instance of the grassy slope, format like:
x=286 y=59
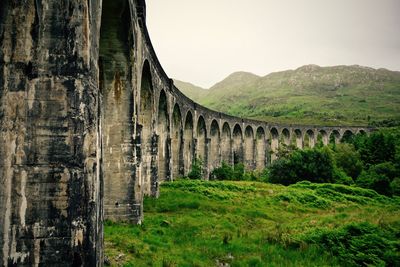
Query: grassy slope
x=196 y=93
x=196 y=223
x=310 y=94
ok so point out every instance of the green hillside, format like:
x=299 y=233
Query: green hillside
x=339 y=95
x=199 y=223
x=196 y=93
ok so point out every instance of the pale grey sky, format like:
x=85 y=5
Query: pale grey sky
x=203 y=41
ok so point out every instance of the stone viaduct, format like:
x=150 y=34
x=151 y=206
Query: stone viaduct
x=90 y=123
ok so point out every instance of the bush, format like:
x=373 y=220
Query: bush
x=225 y=172
x=395 y=187
x=340 y=177
x=314 y=165
x=378 y=182
x=359 y=244
x=348 y=159
x=377 y=148
x=196 y=173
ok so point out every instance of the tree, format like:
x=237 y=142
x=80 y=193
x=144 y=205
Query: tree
x=348 y=159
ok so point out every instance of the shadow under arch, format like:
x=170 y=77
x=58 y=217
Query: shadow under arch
x=162 y=133
x=116 y=44
x=188 y=151
x=176 y=142
x=260 y=149
x=237 y=144
x=226 y=144
x=215 y=141
x=249 y=147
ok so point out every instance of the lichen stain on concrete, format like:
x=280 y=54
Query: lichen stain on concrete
x=117 y=86
x=61 y=201
x=17 y=257
x=24 y=204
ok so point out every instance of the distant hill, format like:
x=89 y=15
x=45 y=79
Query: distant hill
x=196 y=93
x=338 y=95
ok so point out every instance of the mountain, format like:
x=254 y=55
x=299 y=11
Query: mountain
x=338 y=95
x=196 y=93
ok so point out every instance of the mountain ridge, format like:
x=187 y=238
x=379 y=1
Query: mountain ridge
x=309 y=94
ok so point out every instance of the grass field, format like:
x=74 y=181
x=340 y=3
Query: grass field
x=197 y=223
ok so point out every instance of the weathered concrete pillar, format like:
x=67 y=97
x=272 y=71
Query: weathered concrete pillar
x=261 y=158
x=206 y=161
x=274 y=148
x=299 y=142
x=154 y=181
x=50 y=142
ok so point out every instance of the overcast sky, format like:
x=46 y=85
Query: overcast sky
x=203 y=41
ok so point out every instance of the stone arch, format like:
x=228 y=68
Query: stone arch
x=115 y=84
x=201 y=131
x=162 y=134
x=145 y=118
x=274 y=143
x=334 y=137
x=322 y=137
x=299 y=138
x=188 y=150
x=237 y=144
x=226 y=149
x=249 y=147
x=176 y=142
x=215 y=141
x=286 y=136
x=260 y=149
x=309 y=139
x=361 y=132
x=347 y=135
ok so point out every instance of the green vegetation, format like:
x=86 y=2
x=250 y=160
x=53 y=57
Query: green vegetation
x=323 y=217
x=198 y=223
x=340 y=95
x=367 y=161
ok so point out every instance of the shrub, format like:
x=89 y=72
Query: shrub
x=197 y=170
x=348 y=159
x=340 y=177
x=314 y=165
x=378 y=182
x=395 y=187
x=377 y=148
x=225 y=172
x=359 y=244
x=238 y=172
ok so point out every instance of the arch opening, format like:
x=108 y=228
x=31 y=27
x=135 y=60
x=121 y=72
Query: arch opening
x=299 y=138
x=188 y=143
x=322 y=138
x=249 y=147
x=226 y=149
x=146 y=127
x=274 y=143
x=215 y=155
x=347 y=136
x=260 y=149
x=309 y=139
x=286 y=137
x=115 y=63
x=201 y=149
x=237 y=146
x=334 y=137
x=162 y=128
x=176 y=142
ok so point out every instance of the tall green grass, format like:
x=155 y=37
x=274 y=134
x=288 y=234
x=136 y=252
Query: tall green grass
x=198 y=223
